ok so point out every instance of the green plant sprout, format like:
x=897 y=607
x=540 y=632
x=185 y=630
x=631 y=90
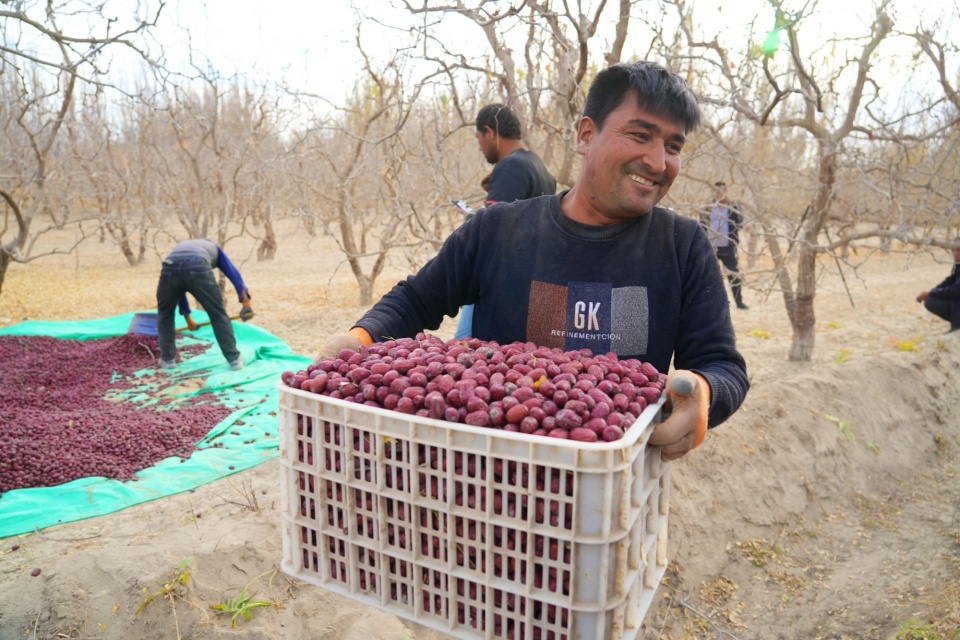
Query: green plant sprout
x=843 y=425
x=843 y=356
x=873 y=446
x=240 y=606
x=914 y=629
x=940 y=443
x=168 y=589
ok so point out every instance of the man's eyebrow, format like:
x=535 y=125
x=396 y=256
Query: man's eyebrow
x=654 y=128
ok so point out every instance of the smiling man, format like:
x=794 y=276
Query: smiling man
x=600 y=266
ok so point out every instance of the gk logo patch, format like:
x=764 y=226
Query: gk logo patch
x=589 y=321
x=589 y=314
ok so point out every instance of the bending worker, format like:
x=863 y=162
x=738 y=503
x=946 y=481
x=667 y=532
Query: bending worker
x=189 y=269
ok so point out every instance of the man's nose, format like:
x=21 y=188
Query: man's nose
x=656 y=158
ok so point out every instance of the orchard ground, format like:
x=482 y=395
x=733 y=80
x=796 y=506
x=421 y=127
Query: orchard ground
x=827 y=507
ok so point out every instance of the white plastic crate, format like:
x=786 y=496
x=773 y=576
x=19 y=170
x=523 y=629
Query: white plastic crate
x=476 y=532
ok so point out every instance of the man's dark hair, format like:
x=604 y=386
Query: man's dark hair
x=499 y=118
x=658 y=90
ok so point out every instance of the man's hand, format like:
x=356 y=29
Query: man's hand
x=246 y=313
x=335 y=344
x=923 y=296
x=688 y=396
x=191 y=323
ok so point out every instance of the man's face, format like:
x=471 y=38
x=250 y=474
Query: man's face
x=956 y=254
x=630 y=164
x=720 y=195
x=489 y=147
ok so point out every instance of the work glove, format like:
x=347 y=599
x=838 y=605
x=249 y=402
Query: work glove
x=688 y=400
x=191 y=323
x=336 y=344
x=247 y=312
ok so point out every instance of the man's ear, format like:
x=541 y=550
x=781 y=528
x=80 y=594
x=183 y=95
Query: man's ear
x=586 y=132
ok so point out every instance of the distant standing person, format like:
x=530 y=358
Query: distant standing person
x=722 y=222
x=944 y=299
x=189 y=269
x=518 y=173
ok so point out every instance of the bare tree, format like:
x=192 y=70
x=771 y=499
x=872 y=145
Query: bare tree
x=833 y=95
x=215 y=155
x=41 y=67
x=362 y=149
x=111 y=186
x=547 y=85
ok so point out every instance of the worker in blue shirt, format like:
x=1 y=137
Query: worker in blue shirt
x=189 y=269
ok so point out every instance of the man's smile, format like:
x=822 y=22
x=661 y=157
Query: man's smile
x=645 y=182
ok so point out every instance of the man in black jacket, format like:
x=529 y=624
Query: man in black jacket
x=944 y=299
x=518 y=173
x=600 y=266
x=722 y=222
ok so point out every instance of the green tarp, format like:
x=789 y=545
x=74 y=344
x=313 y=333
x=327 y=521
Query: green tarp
x=248 y=436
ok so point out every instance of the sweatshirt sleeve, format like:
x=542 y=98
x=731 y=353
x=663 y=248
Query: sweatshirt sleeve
x=232 y=273
x=439 y=289
x=184 y=305
x=949 y=289
x=706 y=340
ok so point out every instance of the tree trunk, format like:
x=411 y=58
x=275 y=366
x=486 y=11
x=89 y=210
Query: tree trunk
x=4 y=263
x=804 y=336
x=802 y=318
x=366 y=291
x=753 y=245
x=120 y=235
x=780 y=267
x=128 y=251
x=268 y=246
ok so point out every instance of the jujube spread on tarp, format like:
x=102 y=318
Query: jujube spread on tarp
x=64 y=415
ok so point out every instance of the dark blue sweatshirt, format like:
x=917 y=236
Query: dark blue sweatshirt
x=949 y=289
x=648 y=288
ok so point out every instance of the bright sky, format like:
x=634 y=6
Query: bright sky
x=310 y=43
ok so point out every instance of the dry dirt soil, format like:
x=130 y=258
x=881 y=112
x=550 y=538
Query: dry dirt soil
x=827 y=507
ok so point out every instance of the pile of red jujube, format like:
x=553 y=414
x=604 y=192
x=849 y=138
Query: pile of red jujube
x=516 y=387
x=58 y=424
